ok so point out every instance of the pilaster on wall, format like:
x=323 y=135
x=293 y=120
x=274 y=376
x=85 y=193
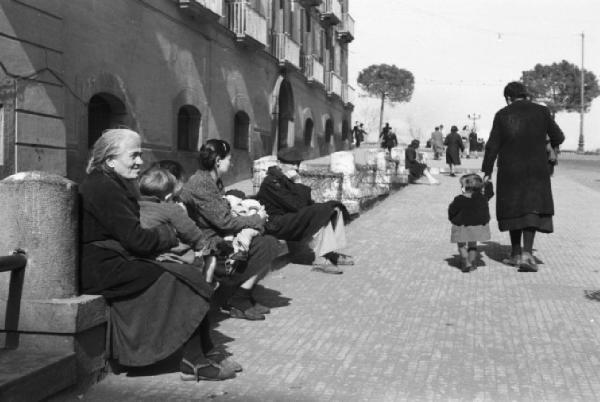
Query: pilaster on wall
x=32 y=95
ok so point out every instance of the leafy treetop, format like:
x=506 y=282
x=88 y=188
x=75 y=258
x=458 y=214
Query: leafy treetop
x=385 y=81
x=557 y=85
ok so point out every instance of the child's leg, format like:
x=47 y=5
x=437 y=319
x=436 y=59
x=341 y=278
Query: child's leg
x=472 y=249
x=464 y=255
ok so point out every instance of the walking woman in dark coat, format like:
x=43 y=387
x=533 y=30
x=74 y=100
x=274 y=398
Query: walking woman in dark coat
x=454 y=146
x=203 y=196
x=155 y=308
x=524 y=202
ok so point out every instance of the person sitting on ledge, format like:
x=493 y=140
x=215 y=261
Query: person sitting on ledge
x=416 y=169
x=294 y=216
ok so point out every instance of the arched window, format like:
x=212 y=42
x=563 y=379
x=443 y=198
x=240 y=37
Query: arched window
x=308 y=132
x=241 y=128
x=328 y=131
x=188 y=128
x=104 y=111
x=345 y=129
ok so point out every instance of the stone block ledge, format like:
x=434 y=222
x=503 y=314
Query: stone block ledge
x=59 y=316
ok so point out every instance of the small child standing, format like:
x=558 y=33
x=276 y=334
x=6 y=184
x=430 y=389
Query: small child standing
x=470 y=217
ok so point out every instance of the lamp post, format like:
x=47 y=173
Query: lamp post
x=474 y=117
x=582 y=106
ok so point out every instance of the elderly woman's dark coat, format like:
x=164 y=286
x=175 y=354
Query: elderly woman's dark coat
x=518 y=140
x=154 y=307
x=454 y=145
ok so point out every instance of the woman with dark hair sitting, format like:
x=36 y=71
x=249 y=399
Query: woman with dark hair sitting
x=416 y=169
x=203 y=196
x=156 y=308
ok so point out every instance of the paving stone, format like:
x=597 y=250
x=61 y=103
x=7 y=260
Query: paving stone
x=404 y=324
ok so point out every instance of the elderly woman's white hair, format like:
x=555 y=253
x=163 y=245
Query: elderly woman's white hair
x=108 y=146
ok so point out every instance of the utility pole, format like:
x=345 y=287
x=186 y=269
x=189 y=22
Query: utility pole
x=582 y=109
x=474 y=117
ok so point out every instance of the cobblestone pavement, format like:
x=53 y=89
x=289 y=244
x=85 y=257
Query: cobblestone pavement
x=404 y=324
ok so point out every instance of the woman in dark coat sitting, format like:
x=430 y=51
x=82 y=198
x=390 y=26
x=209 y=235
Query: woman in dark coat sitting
x=454 y=146
x=203 y=196
x=155 y=308
x=416 y=169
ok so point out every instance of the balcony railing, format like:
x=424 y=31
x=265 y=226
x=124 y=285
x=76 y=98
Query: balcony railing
x=310 y=3
x=246 y=23
x=331 y=11
x=203 y=8
x=333 y=84
x=286 y=50
x=348 y=94
x=346 y=32
x=313 y=70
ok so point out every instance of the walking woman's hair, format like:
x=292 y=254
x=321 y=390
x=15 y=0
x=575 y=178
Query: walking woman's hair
x=471 y=182
x=108 y=146
x=515 y=90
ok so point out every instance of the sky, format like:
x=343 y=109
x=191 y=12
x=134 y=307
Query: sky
x=463 y=52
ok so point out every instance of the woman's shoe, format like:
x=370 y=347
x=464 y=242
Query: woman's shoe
x=206 y=371
x=513 y=260
x=527 y=263
x=224 y=361
x=341 y=259
x=249 y=314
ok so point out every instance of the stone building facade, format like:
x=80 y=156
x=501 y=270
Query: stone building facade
x=262 y=74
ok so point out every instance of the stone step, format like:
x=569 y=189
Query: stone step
x=33 y=376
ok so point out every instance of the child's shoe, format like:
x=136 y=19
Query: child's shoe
x=472 y=259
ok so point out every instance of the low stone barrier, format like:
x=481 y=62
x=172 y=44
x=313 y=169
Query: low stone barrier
x=39 y=214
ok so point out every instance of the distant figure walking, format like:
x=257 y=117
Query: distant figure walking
x=473 y=145
x=359 y=134
x=524 y=204
x=470 y=215
x=454 y=146
x=383 y=136
x=437 y=143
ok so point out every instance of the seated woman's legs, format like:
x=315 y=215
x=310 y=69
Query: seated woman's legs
x=195 y=365
x=263 y=250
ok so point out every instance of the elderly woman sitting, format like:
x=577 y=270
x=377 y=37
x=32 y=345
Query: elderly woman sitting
x=294 y=216
x=155 y=308
x=416 y=169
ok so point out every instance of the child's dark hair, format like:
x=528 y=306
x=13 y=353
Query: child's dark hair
x=207 y=157
x=471 y=182
x=157 y=182
x=172 y=167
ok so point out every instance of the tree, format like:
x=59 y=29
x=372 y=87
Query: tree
x=558 y=86
x=387 y=82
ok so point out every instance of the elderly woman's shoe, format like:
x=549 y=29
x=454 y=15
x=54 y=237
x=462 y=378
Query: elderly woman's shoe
x=224 y=361
x=208 y=370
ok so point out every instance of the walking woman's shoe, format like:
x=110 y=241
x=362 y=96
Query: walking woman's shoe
x=513 y=260
x=205 y=371
x=527 y=263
